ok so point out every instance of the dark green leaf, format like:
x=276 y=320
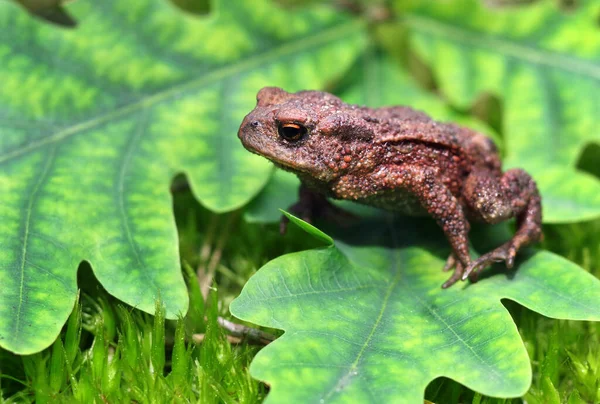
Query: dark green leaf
x=543 y=63
x=94 y=124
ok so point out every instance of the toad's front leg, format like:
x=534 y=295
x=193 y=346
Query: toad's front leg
x=312 y=205
x=439 y=202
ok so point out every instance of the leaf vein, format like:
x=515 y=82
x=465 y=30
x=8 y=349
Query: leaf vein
x=26 y=234
x=131 y=146
x=374 y=327
x=304 y=43
x=464 y=342
x=317 y=292
x=504 y=45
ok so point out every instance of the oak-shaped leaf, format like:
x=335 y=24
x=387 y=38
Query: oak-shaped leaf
x=365 y=319
x=96 y=121
x=543 y=64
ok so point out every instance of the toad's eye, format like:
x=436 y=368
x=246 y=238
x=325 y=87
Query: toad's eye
x=292 y=132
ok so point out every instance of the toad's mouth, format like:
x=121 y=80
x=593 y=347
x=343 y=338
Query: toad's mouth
x=286 y=165
x=294 y=169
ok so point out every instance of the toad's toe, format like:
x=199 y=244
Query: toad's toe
x=458 y=271
x=505 y=252
x=450 y=262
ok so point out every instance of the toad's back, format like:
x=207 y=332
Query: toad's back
x=405 y=139
x=398 y=124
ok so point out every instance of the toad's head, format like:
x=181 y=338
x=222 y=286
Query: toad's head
x=308 y=132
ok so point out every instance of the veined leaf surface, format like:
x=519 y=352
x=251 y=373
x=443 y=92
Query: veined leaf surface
x=365 y=318
x=95 y=122
x=544 y=65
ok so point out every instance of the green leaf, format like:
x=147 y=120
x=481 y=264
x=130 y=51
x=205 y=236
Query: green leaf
x=280 y=193
x=365 y=319
x=568 y=195
x=542 y=63
x=309 y=228
x=95 y=122
x=545 y=67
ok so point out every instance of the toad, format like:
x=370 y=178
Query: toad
x=398 y=159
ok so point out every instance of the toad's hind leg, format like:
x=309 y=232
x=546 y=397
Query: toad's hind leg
x=439 y=202
x=523 y=196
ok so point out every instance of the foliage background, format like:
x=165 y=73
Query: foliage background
x=551 y=129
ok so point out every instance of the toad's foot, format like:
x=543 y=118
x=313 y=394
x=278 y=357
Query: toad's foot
x=506 y=252
x=452 y=262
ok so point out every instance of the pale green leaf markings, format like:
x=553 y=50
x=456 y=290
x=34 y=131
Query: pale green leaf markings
x=221 y=41
x=461 y=82
x=367 y=318
x=211 y=118
x=29 y=85
x=442 y=322
x=275 y=20
x=580 y=108
x=221 y=38
x=575 y=297
x=309 y=64
x=567 y=194
x=454 y=76
x=36 y=294
x=107 y=174
x=132 y=98
x=349 y=32
x=531 y=116
x=495 y=68
x=32 y=93
x=104 y=54
x=79 y=171
x=509 y=31
x=385 y=84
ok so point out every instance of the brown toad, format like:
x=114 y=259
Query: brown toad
x=397 y=159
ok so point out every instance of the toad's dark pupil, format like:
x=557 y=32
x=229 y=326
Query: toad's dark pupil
x=292 y=131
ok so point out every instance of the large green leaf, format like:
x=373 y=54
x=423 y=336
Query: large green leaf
x=542 y=63
x=95 y=122
x=365 y=319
